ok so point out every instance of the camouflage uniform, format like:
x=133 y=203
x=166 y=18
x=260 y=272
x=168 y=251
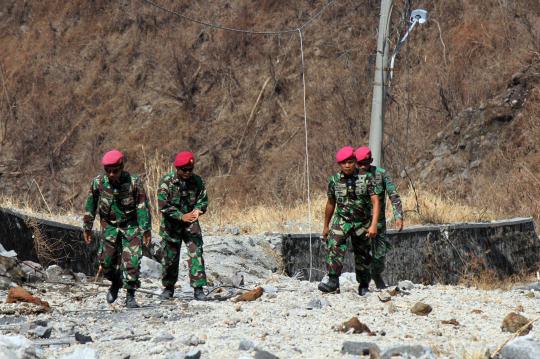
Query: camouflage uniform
x=124 y=217
x=175 y=198
x=351 y=218
x=381 y=246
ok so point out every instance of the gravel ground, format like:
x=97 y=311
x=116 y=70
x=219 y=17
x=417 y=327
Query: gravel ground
x=292 y=319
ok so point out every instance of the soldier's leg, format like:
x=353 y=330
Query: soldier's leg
x=170 y=257
x=380 y=247
x=108 y=253
x=194 y=246
x=362 y=259
x=131 y=256
x=336 y=249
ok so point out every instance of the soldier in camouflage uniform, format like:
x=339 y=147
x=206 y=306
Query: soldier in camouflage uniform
x=353 y=207
x=182 y=199
x=120 y=200
x=384 y=186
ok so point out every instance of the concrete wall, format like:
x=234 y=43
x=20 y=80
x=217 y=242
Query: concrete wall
x=62 y=244
x=438 y=253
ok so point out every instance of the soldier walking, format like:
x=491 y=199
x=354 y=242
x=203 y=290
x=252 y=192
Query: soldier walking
x=182 y=199
x=353 y=207
x=384 y=185
x=120 y=199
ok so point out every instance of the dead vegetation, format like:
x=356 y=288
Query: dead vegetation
x=83 y=77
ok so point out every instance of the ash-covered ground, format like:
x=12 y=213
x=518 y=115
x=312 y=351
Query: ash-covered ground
x=291 y=319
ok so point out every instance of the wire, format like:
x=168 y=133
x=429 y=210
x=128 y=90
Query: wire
x=244 y=31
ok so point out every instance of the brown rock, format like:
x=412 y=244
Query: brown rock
x=421 y=309
x=451 y=321
x=354 y=325
x=19 y=294
x=394 y=291
x=514 y=322
x=251 y=295
x=476 y=311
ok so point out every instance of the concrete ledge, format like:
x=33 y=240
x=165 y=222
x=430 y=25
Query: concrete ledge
x=436 y=253
x=60 y=243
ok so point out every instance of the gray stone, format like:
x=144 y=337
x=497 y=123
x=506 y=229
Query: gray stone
x=237 y=279
x=360 y=348
x=246 y=345
x=163 y=337
x=405 y=285
x=80 y=277
x=54 y=273
x=6 y=253
x=263 y=354
x=268 y=288
x=82 y=353
x=193 y=354
x=42 y=331
x=33 y=270
x=150 y=268
x=231 y=229
x=16 y=347
x=317 y=303
x=521 y=348
x=191 y=340
x=411 y=351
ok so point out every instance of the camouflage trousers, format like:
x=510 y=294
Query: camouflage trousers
x=337 y=248
x=120 y=252
x=380 y=246
x=170 y=255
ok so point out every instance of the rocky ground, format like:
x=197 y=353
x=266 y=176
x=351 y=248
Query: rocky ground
x=291 y=319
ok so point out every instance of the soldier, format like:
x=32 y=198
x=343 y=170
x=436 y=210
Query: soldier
x=182 y=199
x=120 y=200
x=384 y=186
x=353 y=197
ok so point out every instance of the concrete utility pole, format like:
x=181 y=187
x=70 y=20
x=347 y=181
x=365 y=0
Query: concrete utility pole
x=377 y=105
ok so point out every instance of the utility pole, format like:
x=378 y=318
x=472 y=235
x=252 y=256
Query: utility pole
x=377 y=105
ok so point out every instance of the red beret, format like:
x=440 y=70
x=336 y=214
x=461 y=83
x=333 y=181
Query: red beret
x=362 y=153
x=183 y=158
x=344 y=154
x=112 y=158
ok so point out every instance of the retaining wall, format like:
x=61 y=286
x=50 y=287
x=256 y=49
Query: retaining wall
x=438 y=253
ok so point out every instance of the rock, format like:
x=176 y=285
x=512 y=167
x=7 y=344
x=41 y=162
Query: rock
x=361 y=348
x=353 y=325
x=317 y=304
x=83 y=339
x=237 y=279
x=268 y=288
x=390 y=308
x=451 y=321
x=6 y=253
x=192 y=340
x=150 y=268
x=514 y=322
x=521 y=348
x=251 y=295
x=246 y=345
x=409 y=351
x=405 y=285
x=81 y=353
x=263 y=354
x=5 y=283
x=421 y=309
x=41 y=331
x=19 y=294
x=17 y=347
x=163 y=337
x=234 y=230
x=384 y=296
x=10 y=269
x=193 y=354
x=80 y=277
x=54 y=273
x=33 y=270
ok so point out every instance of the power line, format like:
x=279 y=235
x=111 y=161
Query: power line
x=244 y=31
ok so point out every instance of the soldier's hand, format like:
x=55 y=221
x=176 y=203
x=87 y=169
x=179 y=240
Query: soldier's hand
x=189 y=217
x=372 y=230
x=399 y=224
x=87 y=235
x=197 y=213
x=147 y=238
x=325 y=232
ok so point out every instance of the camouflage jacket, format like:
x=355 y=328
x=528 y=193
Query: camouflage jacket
x=384 y=186
x=177 y=197
x=352 y=197
x=117 y=204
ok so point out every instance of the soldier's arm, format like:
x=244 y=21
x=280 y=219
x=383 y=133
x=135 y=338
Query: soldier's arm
x=202 y=197
x=329 y=208
x=376 y=208
x=143 y=209
x=391 y=190
x=90 y=205
x=164 y=203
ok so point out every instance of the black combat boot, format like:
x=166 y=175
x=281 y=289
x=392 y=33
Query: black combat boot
x=363 y=289
x=167 y=293
x=130 y=299
x=331 y=286
x=198 y=293
x=379 y=281
x=112 y=293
